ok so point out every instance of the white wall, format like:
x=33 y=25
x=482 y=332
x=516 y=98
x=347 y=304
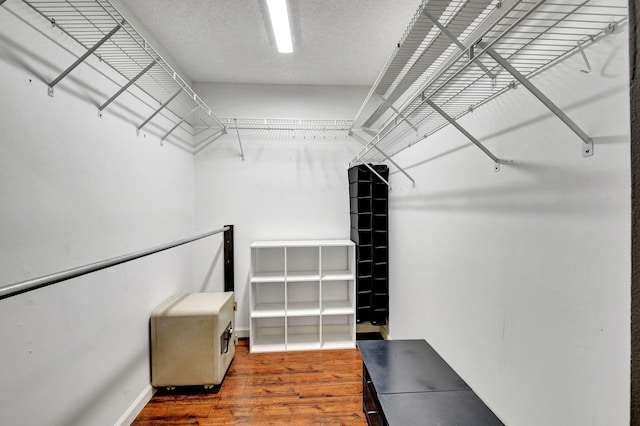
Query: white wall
x=521 y=279
x=76 y=189
x=287 y=188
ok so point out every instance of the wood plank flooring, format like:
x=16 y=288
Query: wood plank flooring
x=292 y=388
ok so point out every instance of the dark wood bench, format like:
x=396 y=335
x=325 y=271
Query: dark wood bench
x=406 y=382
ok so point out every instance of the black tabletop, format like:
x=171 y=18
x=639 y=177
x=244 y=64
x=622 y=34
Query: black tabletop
x=398 y=366
x=444 y=408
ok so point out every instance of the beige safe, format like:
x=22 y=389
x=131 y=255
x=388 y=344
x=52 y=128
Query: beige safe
x=192 y=339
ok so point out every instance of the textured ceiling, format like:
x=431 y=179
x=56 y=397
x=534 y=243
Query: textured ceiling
x=336 y=42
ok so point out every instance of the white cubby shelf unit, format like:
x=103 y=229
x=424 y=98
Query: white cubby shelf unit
x=302 y=295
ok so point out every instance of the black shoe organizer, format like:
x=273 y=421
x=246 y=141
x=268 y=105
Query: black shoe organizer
x=368 y=196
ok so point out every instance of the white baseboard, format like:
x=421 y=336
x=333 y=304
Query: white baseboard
x=136 y=407
x=360 y=328
x=384 y=331
x=242 y=332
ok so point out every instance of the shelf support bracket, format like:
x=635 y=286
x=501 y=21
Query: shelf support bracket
x=457 y=42
x=469 y=136
x=587 y=147
x=202 y=145
x=182 y=120
x=239 y=141
x=396 y=111
x=125 y=87
x=364 y=142
x=376 y=173
x=83 y=57
x=156 y=112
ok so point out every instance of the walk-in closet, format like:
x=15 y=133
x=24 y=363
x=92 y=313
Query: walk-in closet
x=410 y=212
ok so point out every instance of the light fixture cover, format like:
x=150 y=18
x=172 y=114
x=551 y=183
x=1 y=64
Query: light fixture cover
x=280 y=25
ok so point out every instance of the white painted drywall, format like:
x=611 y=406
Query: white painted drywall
x=521 y=279
x=287 y=188
x=76 y=189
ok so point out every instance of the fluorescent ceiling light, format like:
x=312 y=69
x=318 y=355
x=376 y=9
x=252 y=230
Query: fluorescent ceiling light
x=280 y=25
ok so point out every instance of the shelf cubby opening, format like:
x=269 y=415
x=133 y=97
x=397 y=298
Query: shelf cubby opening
x=336 y=262
x=337 y=297
x=268 y=334
x=303 y=333
x=337 y=331
x=267 y=263
x=361 y=221
x=303 y=263
x=303 y=298
x=267 y=299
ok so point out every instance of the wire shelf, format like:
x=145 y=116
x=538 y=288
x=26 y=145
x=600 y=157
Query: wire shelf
x=128 y=53
x=278 y=129
x=530 y=35
x=292 y=124
x=274 y=129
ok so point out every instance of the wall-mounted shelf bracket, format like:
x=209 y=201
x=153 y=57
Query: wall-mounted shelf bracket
x=208 y=141
x=376 y=173
x=239 y=141
x=156 y=112
x=400 y=169
x=82 y=58
x=394 y=109
x=182 y=120
x=462 y=130
x=125 y=87
x=542 y=98
x=457 y=42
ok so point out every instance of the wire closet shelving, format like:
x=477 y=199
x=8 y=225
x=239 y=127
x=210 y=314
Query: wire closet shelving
x=104 y=32
x=285 y=128
x=456 y=55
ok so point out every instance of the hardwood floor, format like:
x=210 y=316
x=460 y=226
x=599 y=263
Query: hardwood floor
x=293 y=388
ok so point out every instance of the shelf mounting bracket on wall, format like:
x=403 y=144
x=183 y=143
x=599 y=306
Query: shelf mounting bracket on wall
x=156 y=112
x=235 y=120
x=454 y=123
x=457 y=42
x=390 y=105
x=364 y=142
x=376 y=173
x=125 y=87
x=587 y=147
x=182 y=120
x=205 y=143
x=82 y=58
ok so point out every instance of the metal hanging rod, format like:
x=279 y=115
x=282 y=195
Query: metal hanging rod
x=47 y=280
x=105 y=33
x=524 y=37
